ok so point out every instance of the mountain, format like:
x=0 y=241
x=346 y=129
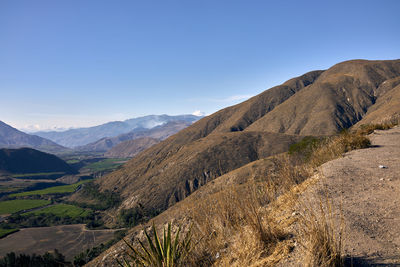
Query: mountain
x=160 y=132
x=316 y=103
x=338 y=99
x=82 y=136
x=13 y=138
x=28 y=160
x=130 y=148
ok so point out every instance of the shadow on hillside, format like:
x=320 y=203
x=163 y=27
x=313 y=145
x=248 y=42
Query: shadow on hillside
x=361 y=262
x=374 y=146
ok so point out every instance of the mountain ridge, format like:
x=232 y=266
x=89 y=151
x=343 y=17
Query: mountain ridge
x=83 y=136
x=171 y=170
x=159 y=132
x=28 y=160
x=10 y=137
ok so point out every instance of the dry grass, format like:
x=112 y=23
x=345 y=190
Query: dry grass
x=248 y=224
x=235 y=229
x=370 y=128
x=336 y=146
x=323 y=237
x=240 y=226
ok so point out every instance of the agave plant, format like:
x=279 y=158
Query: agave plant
x=169 y=252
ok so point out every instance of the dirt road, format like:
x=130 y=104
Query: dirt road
x=366 y=184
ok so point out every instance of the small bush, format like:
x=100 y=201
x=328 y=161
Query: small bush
x=134 y=216
x=305 y=147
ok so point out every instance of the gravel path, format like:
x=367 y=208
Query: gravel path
x=366 y=184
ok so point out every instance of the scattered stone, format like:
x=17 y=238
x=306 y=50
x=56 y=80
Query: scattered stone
x=382 y=167
x=381 y=179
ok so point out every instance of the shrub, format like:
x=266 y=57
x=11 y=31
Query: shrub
x=305 y=147
x=134 y=216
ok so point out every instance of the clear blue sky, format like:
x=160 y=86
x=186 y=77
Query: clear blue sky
x=80 y=63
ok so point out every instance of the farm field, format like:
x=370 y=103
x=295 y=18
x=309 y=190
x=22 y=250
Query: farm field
x=52 y=190
x=68 y=239
x=12 y=206
x=61 y=210
x=106 y=164
x=4 y=232
x=35 y=176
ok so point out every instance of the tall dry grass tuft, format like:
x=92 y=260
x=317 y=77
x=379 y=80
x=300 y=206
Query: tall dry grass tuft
x=235 y=229
x=324 y=238
x=238 y=227
x=333 y=147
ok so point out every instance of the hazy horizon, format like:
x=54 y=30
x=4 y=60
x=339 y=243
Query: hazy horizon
x=75 y=64
x=33 y=129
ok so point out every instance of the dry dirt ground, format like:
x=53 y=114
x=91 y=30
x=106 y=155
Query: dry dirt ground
x=70 y=240
x=364 y=189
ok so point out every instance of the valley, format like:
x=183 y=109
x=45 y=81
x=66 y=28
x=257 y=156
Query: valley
x=37 y=202
x=35 y=207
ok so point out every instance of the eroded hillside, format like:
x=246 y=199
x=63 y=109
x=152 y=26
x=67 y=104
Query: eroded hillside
x=317 y=103
x=235 y=142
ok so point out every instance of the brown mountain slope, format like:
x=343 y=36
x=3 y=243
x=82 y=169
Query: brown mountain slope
x=338 y=99
x=231 y=145
x=157 y=181
x=167 y=172
x=387 y=106
x=183 y=209
x=320 y=102
x=131 y=148
x=240 y=116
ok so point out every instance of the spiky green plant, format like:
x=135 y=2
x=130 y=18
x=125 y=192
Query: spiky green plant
x=166 y=253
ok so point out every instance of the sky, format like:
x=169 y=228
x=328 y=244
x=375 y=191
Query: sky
x=73 y=63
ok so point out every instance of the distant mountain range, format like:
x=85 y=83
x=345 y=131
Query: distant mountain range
x=13 y=138
x=160 y=132
x=83 y=136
